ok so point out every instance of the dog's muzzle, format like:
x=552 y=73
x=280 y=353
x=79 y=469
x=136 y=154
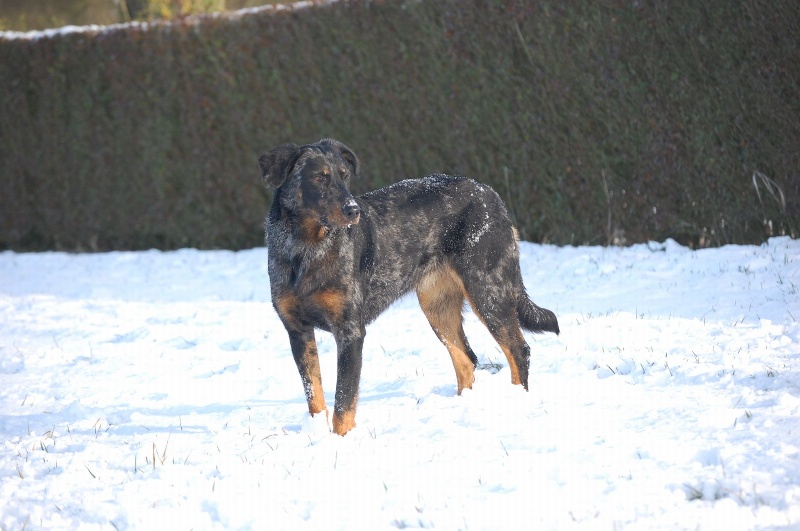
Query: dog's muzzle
x=351 y=211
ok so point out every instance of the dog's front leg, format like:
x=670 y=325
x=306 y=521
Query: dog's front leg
x=304 y=350
x=348 y=373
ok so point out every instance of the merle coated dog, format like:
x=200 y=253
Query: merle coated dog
x=337 y=261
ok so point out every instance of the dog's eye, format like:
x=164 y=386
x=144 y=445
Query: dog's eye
x=320 y=178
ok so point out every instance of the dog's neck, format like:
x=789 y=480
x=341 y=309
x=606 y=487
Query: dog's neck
x=303 y=246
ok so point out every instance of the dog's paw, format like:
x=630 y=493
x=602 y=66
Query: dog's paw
x=344 y=422
x=317 y=424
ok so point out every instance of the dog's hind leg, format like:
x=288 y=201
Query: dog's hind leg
x=517 y=351
x=495 y=306
x=441 y=297
x=506 y=331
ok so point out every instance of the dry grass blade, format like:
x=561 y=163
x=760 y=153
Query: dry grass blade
x=771 y=187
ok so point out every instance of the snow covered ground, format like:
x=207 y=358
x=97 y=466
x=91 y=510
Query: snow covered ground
x=157 y=389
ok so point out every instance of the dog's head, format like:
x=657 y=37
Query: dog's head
x=313 y=181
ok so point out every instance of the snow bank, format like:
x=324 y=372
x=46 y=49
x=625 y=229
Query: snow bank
x=157 y=389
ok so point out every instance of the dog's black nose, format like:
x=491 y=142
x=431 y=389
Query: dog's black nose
x=351 y=210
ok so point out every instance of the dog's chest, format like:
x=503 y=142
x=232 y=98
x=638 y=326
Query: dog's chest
x=324 y=308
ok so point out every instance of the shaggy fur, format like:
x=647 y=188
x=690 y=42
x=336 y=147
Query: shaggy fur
x=337 y=261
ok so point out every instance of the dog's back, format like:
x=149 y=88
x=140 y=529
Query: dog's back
x=418 y=225
x=424 y=224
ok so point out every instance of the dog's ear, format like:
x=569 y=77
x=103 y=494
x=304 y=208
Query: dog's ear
x=351 y=160
x=277 y=164
x=345 y=152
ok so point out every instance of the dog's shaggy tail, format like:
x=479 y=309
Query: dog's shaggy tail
x=534 y=318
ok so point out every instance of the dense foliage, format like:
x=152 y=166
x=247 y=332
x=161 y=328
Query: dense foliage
x=597 y=122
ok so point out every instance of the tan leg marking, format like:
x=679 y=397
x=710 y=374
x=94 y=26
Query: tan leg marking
x=512 y=365
x=344 y=422
x=505 y=341
x=314 y=392
x=441 y=297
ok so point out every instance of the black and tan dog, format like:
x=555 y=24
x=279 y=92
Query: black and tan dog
x=337 y=261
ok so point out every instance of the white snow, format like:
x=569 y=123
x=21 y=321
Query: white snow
x=145 y=390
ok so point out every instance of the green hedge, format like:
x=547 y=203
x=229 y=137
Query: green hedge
x=598 y=122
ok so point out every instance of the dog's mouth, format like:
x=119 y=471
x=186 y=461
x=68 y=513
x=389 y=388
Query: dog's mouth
x=354 y=220
x=329 y=224
x=337 y=222
x=347 y=216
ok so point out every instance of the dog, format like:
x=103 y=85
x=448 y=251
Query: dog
x=336 y=262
